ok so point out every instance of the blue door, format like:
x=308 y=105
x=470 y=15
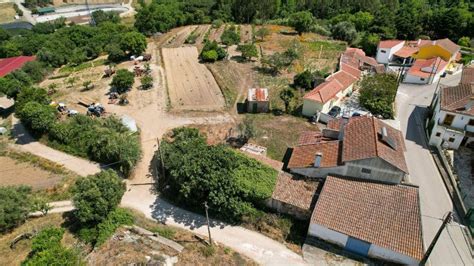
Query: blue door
x=357 y=246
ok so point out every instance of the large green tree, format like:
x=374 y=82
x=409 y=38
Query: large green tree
x=96 y=196
x=301 y=21
x=133 y=42
x=377 y=94
x=123 y=80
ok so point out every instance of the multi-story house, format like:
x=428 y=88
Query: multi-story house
x=452 y=123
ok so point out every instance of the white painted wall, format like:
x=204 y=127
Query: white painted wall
x=390 y=255
x=460 y=121
x=385 y=58
x=310 y=107
x=328 y=235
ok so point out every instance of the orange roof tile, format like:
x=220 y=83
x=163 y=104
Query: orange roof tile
x=389 y=43
x=362 y=141
x=344 y=78
x=303 y=156
x=297 y=192
x=351 y=70
x=324 y=92
x=467 y=76
x=311 y=137
x=406 y=51
x=455 y=99
x=417 y=69
x=381 y=214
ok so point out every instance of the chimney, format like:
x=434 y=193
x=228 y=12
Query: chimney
x=388 y=140
x=469 y=104
x=342 y=126
x=317 y=159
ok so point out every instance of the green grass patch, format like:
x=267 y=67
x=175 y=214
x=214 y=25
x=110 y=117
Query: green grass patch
x=68 y=68
x=165 y=232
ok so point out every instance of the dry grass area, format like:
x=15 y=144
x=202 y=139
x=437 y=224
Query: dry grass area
x=7 y=13
x=278 y=133
x=191 y=85
x=318 y=52
x=215 y=34
x=16 y=256
x=246 y=33
x=234 y=79
x=195 y=251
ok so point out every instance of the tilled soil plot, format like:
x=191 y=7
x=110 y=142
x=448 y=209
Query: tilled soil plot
x=191 y=85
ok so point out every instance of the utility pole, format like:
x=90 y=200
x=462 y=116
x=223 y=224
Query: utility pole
x=208 y=228
x=447 y=219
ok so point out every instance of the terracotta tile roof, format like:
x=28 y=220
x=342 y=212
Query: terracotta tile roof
x=355 y=72
x=424 y=67
x=344 y=78
x=389 y=43
x=467 y=76
x=448 y=45
x=381 y=214
x=258 y=94
x=297 y=192
x=277 y=165
x=419 y=43
x=455 y=99
x=8 y=65
x=362 y=140
x=303 y=156
x=311 y=137
x=356 y=57
x=324 y=92
x=406 y=51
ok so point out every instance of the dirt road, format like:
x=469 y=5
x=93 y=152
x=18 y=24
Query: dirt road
x=25 y=142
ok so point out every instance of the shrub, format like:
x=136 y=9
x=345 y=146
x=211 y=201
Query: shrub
x=191 y=39
x=96 y=196
x=378 y=93
x=464 y=41
x=230 y=37
x=217 y=23
x=31 y=94
x=14 y=206
x=344 y=31
x=208 y=251
x=38 y=117
x=147 y=82
x=248 y=51
x=47 y=250
x=115 y=53
x=123 y=80
x=301 y=21
x=114 y=220
x=209 y=56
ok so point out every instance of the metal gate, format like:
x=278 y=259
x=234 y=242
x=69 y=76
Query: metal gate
x=357 y=246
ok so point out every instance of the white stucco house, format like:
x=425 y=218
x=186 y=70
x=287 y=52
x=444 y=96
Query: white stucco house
x=329 y=93
x=386 y=50
x=425 y=71
x=370 y=219
x=452 y=123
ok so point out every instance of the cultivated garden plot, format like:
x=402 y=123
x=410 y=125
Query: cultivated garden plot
x=191 y=85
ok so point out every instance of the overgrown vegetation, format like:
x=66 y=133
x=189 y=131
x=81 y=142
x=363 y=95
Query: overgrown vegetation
x=46 y=249
x=212 y=52
x=96 y=199
x=378 y=93
x=15 y=204
x=233 y=185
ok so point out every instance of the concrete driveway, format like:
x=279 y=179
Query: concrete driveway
x=452 y=248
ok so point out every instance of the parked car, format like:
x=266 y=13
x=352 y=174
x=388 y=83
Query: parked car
x=335 y=111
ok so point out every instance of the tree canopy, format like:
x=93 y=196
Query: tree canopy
x=14 y=206
x=232 y=184
x=123 y=80
x=96 y=196
x=378 y=93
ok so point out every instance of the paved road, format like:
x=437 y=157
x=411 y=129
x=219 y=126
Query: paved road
x=451 y=249
x=258 y=247
x=26 y=143
x=26 y=12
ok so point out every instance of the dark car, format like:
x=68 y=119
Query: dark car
x=335 y=111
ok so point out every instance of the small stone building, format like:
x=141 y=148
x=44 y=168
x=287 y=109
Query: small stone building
x=294 y=196
x=258 y=100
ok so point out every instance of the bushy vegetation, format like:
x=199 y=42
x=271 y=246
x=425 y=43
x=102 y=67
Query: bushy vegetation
x=56 y=44
x=212 y=52
x=96 y=199
x=46 y=249
x=123 y=80
x=248 y=50
x=308 y=79
x=14 y=206
x=378 y=93
x=233 y=185
x=230 y=36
